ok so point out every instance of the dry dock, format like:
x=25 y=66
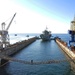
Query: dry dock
x=11 y=49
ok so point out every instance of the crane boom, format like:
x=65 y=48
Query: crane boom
x=10 y=22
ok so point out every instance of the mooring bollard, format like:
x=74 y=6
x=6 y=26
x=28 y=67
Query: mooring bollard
x=31 y=62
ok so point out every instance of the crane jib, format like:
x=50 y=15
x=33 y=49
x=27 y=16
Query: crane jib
x=10 y=22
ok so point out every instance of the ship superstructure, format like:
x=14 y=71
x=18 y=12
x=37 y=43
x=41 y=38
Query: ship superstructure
x=46 y=35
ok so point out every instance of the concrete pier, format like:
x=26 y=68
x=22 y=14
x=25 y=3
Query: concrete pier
x=65 y=48
x=68 y=51
x=12 y=49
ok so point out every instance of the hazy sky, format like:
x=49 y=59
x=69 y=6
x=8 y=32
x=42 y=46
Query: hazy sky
x=34 y=15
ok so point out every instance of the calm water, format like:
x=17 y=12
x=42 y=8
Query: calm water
x=38 y=51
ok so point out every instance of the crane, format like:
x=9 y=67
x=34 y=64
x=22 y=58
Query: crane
x=4 y=36
x=72 y=32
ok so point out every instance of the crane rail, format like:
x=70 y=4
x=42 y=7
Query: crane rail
x=31 y=62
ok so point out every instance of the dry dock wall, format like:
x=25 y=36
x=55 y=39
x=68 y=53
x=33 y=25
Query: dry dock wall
x=68 y=52
x=17 y=46
x=10 y=50
x=65 y=49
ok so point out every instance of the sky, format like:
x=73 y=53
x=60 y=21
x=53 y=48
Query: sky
x=32 y=16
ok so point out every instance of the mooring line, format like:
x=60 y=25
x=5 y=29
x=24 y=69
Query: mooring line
x=31 y=62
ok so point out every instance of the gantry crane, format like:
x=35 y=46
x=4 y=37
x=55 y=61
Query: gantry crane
x=4 y=36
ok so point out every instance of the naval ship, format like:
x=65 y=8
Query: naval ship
x=46 y=35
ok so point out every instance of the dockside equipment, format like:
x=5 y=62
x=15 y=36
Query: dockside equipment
x=4 y=36
x=72 y=32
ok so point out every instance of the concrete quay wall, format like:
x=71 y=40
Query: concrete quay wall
x=65 y=48
x=17 y=46
x=14 y=48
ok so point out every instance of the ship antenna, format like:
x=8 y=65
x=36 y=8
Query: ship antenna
x=46 y=28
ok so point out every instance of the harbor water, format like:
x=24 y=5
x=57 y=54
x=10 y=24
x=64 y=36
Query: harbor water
x=38 y=51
